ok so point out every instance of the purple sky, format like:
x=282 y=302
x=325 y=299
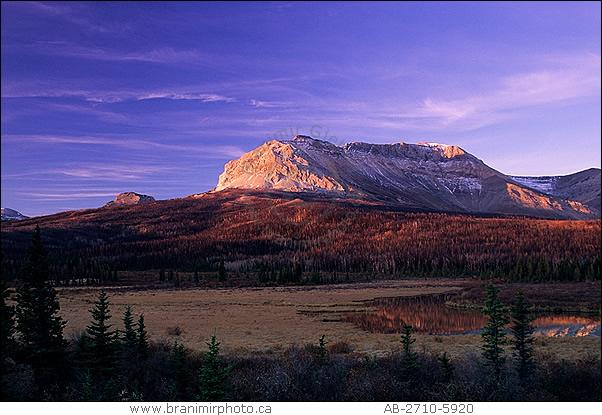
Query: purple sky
x=100 y=98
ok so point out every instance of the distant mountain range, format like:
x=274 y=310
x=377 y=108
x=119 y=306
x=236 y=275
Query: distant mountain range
x=10 y=214
x=357 y=208
x=423 y=176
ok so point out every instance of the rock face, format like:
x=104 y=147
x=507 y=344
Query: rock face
x=129 y=198
x=425 y=176
x=10 y=214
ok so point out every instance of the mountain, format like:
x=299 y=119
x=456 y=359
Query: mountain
x=10 y=214
x=129 y=198
x=423 y=176
x=583 y=186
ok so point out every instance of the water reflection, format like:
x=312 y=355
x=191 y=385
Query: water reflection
x=429 y=315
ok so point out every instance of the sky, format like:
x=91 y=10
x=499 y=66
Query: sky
x=100 y=98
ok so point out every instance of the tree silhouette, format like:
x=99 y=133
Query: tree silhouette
x=447 y=367
x=409 y=362
x=129 y=339
x=493 y=333
x=101 y=352
x=7 y=331
x=142 y=345
x=40 y=330
x=523 y=336
x=213 y=379
x=180 y=370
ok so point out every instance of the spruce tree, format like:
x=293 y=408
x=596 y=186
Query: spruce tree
x=7 y=330
x=221 y=272
x=40 y=330
x=181 y=371
x=447 y=368
x=142 y=345
x=101 y=352
x=213 y=379
x=7 y=323
x=409 y=362
x=322 y=350
x=87 y=389
x=493 y=334
x=129 y=339
x=522 y=329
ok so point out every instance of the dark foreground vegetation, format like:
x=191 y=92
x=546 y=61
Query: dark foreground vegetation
x=300 y=374
x=278 y=239
x=113 y=363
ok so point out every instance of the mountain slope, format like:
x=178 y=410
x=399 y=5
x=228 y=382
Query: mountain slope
x=278 y=231
x=11 y=214
x=583 y=186
x=426 y=176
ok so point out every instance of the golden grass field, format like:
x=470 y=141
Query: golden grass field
x=271 y=319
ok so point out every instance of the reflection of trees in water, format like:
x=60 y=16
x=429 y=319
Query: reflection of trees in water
x=561 y=320
x=429 y=315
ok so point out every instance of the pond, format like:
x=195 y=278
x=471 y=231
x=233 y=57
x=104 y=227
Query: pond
x=430 y=315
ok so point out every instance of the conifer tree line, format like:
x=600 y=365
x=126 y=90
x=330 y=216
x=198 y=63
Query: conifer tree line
x=280 y=251
x=111 y=362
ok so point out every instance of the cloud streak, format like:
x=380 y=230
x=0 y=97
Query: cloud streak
x=581 y=79
x=208 y=151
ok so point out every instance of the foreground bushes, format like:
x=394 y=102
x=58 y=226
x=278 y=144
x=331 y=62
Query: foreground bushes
x=302 y=374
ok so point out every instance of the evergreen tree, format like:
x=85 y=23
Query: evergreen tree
x=181 y=371
x=493 y=334
x=7 y=330
x=213 y=379
x=37 y=268
x=101 y=352
x=522 y=330
x=322 y=350
x=447 y=368
x=87 y=389
x=129 y=339
x=41 y=343
x=409 y=362
x=142 y=339
x=221 y=271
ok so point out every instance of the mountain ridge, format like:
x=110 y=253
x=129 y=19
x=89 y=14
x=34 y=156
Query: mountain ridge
x=425 y=176
x=582 y=186
x=11 y=214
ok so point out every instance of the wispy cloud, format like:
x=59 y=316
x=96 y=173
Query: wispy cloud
x=67 y=13
x=66 y=196
x=574 y=78
x=206 y=150
x=266 y=104
x=52 y=89
x=186 y=96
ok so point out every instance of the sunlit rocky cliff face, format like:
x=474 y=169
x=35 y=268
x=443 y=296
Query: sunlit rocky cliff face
x=129 y=198
x=423 y=176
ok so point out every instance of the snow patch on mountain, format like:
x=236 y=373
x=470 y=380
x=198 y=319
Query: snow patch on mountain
x=545 y=184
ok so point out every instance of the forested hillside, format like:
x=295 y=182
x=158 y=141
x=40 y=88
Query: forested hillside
x=279 y=238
